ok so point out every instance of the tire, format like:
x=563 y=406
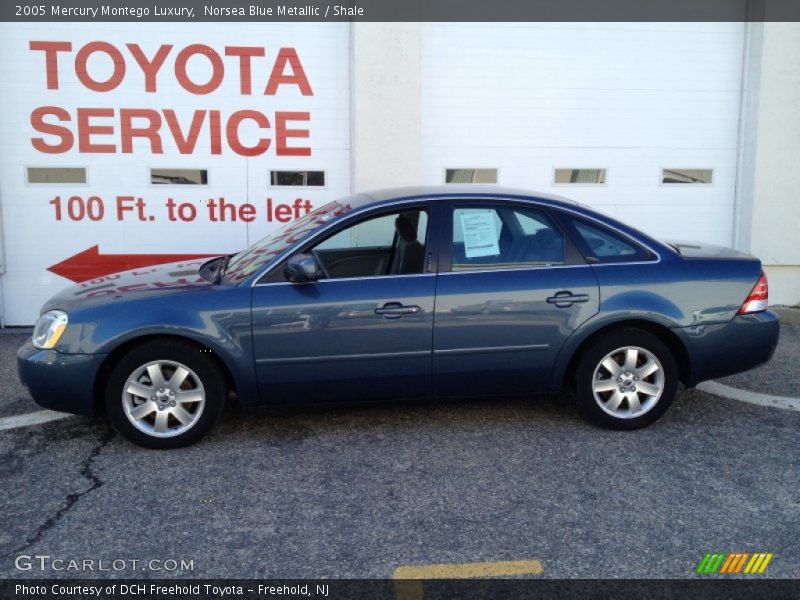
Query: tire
x=618 y=397
x=165 y=413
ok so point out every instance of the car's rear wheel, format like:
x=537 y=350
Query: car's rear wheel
x=626 y=379
x=165 y=394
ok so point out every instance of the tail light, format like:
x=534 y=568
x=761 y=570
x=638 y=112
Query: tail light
x=758 y=298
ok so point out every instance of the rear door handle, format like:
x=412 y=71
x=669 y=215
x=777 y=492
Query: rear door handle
x=395 y=310
x=565 y=298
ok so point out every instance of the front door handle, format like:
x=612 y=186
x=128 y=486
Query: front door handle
x=395 y=310
x=566 y=298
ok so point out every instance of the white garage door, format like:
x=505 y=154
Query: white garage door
x=96 y=118
x=616 y=108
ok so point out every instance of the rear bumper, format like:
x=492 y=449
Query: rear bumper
x=59 y=381
x=723 y=349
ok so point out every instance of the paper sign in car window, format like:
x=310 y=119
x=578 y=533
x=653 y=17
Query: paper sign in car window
x=480 y=234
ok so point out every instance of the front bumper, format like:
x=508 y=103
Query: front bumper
x=723 y=349
x=59 y=381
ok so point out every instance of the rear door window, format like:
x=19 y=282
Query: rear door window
x=493 y=237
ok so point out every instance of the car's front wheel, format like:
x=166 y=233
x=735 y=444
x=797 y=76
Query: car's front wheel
x=626 y=379
x=165 y=394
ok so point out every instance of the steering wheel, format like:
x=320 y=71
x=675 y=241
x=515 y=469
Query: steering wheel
x=321 y=264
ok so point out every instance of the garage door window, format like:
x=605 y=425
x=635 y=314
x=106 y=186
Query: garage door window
x=179 y=176
x=470 y=176
x=297 y=178
x=580 y=176
x=56 y=175
x=687 y=175
x=504 y=238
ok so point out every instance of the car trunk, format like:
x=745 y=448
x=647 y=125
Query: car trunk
x=703 y=250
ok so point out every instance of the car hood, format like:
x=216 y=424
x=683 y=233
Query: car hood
x=170 y=278
x=702 y=250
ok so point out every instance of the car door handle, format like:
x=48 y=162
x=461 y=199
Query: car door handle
x=395 y=310
x=564 y=299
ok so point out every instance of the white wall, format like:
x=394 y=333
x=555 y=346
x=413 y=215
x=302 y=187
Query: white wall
x=770 y=213
x=629 y=97
x=386 y=105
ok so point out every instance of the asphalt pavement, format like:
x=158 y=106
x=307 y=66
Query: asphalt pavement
x=14 y=398
x=358 y=491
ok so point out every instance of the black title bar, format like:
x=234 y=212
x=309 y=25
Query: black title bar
x=399 y=10
x=710 y=588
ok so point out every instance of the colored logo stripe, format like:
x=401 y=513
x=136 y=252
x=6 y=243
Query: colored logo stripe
x=758 y=563
x=734 y=562
x=710 y=563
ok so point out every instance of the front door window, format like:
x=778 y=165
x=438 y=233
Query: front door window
x=389 y=244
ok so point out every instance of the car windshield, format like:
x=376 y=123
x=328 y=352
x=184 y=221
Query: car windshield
x=254 y=258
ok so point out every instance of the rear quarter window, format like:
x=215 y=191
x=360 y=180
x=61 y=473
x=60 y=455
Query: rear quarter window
x=603 y=245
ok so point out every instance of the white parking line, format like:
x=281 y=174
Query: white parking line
x=726 y=391
x=34 y=418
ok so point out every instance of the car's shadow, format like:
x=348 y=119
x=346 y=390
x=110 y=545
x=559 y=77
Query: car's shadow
x=546 y=412
x=406 y=412
x=275 y=425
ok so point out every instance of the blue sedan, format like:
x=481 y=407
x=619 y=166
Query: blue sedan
x=432 y=292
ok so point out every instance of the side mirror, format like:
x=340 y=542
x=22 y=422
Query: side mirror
x=302 y=268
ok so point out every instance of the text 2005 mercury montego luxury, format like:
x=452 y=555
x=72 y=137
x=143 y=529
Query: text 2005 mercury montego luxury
x=443 y=291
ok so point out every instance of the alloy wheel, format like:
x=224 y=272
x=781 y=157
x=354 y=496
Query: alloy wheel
x=163 y=398
x=628 y=382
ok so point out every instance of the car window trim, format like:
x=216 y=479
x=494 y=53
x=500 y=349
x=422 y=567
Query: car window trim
x=438 y=204
x=555 y=204
x=556 y=210
x=514 y=269
x=365 y=278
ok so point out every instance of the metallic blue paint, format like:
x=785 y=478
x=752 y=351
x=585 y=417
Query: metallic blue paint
x=474 y=332
x=498 y=326
x=721 y=349
x=59 y=381
x=323 y=341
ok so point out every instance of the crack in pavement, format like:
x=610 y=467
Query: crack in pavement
x=71 y=499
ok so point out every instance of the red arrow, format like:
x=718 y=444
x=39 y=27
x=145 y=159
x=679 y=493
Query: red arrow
x=90 y=264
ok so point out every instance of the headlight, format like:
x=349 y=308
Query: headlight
x=49 y=328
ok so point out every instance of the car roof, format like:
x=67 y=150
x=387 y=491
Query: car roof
x=450 y=190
